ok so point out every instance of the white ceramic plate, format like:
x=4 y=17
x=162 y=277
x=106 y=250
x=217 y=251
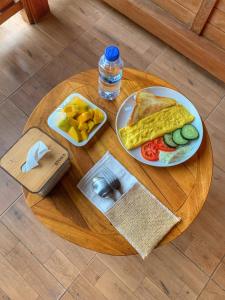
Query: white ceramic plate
x=126 y=109
x=58 y=115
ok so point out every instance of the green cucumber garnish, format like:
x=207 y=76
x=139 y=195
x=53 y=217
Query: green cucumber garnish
x=168 y=140
x=178 y=138
x=189 y=132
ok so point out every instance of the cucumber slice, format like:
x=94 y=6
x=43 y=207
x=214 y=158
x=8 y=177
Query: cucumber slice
x=189 y=132
x=178 y=138
x=168 y=140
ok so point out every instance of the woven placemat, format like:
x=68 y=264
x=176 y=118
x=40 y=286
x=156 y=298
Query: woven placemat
x=141 y=219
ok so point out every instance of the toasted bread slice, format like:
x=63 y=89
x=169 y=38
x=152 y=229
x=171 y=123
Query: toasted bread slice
x=147 y=104
x=134 y=118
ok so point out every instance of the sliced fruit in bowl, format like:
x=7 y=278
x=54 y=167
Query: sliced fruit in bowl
x=77 y=119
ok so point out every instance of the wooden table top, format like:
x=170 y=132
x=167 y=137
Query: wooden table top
x=183 y=188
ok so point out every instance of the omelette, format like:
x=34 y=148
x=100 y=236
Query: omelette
x=155 y=125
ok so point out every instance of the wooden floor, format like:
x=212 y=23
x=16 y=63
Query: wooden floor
x=35 y=263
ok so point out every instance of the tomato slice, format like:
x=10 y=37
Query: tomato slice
x=162 y=146
x=150 y=151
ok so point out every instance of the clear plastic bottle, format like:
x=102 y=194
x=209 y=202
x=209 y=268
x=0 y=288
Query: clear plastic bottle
x=110 y=73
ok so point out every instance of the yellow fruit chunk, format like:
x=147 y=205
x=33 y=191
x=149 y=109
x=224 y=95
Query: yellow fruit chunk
x=84 y=135
x=64 y=125
x=98 y=116
x=81 y=109
x=74 y=133
x=79 y=102
x=82 y=126
x=80 y=105
x=68 y=108
x=85 y=117
x=91 y=111
x=73 y=122
x=91 y=124
x=70 y=111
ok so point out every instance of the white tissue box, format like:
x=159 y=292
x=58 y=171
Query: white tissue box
x=47 y=161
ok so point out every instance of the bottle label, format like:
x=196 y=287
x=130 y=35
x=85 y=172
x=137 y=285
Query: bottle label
x=111 y=79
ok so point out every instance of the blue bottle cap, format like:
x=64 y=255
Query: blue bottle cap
x=112 y=53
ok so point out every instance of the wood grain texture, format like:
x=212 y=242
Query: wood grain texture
x=12 y=120
x=82 y=289
x=62 y=268
x=215 y=28
x=192 y=5
x=214 y=35
x=215 y=124
x=95 y=270
x=190 y=80
x=19 y=220
x=69 y=214
x=203 y=243
x=35 y=50
x=8 y=240
x=128 y=269
x=67 y=296
x=219 y=275
x=221 y=5
x=35 y=9
x=202 y=15
x=113 y=288
x=177 y=10
x=5 y=3
x=13 y=284
x=156 y=21
x=148 y=290
x=10 y=11
x=212 y=292
x=158 y=267
x=217 y=19
x=34 y=273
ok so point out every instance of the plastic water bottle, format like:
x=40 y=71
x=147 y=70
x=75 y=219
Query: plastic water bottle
x=110 y=73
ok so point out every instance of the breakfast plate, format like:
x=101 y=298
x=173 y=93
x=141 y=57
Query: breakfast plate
x=125 y=112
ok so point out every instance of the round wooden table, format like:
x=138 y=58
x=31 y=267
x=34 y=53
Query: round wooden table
x=68 y=213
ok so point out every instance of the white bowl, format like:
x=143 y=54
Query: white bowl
x=58 y=115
